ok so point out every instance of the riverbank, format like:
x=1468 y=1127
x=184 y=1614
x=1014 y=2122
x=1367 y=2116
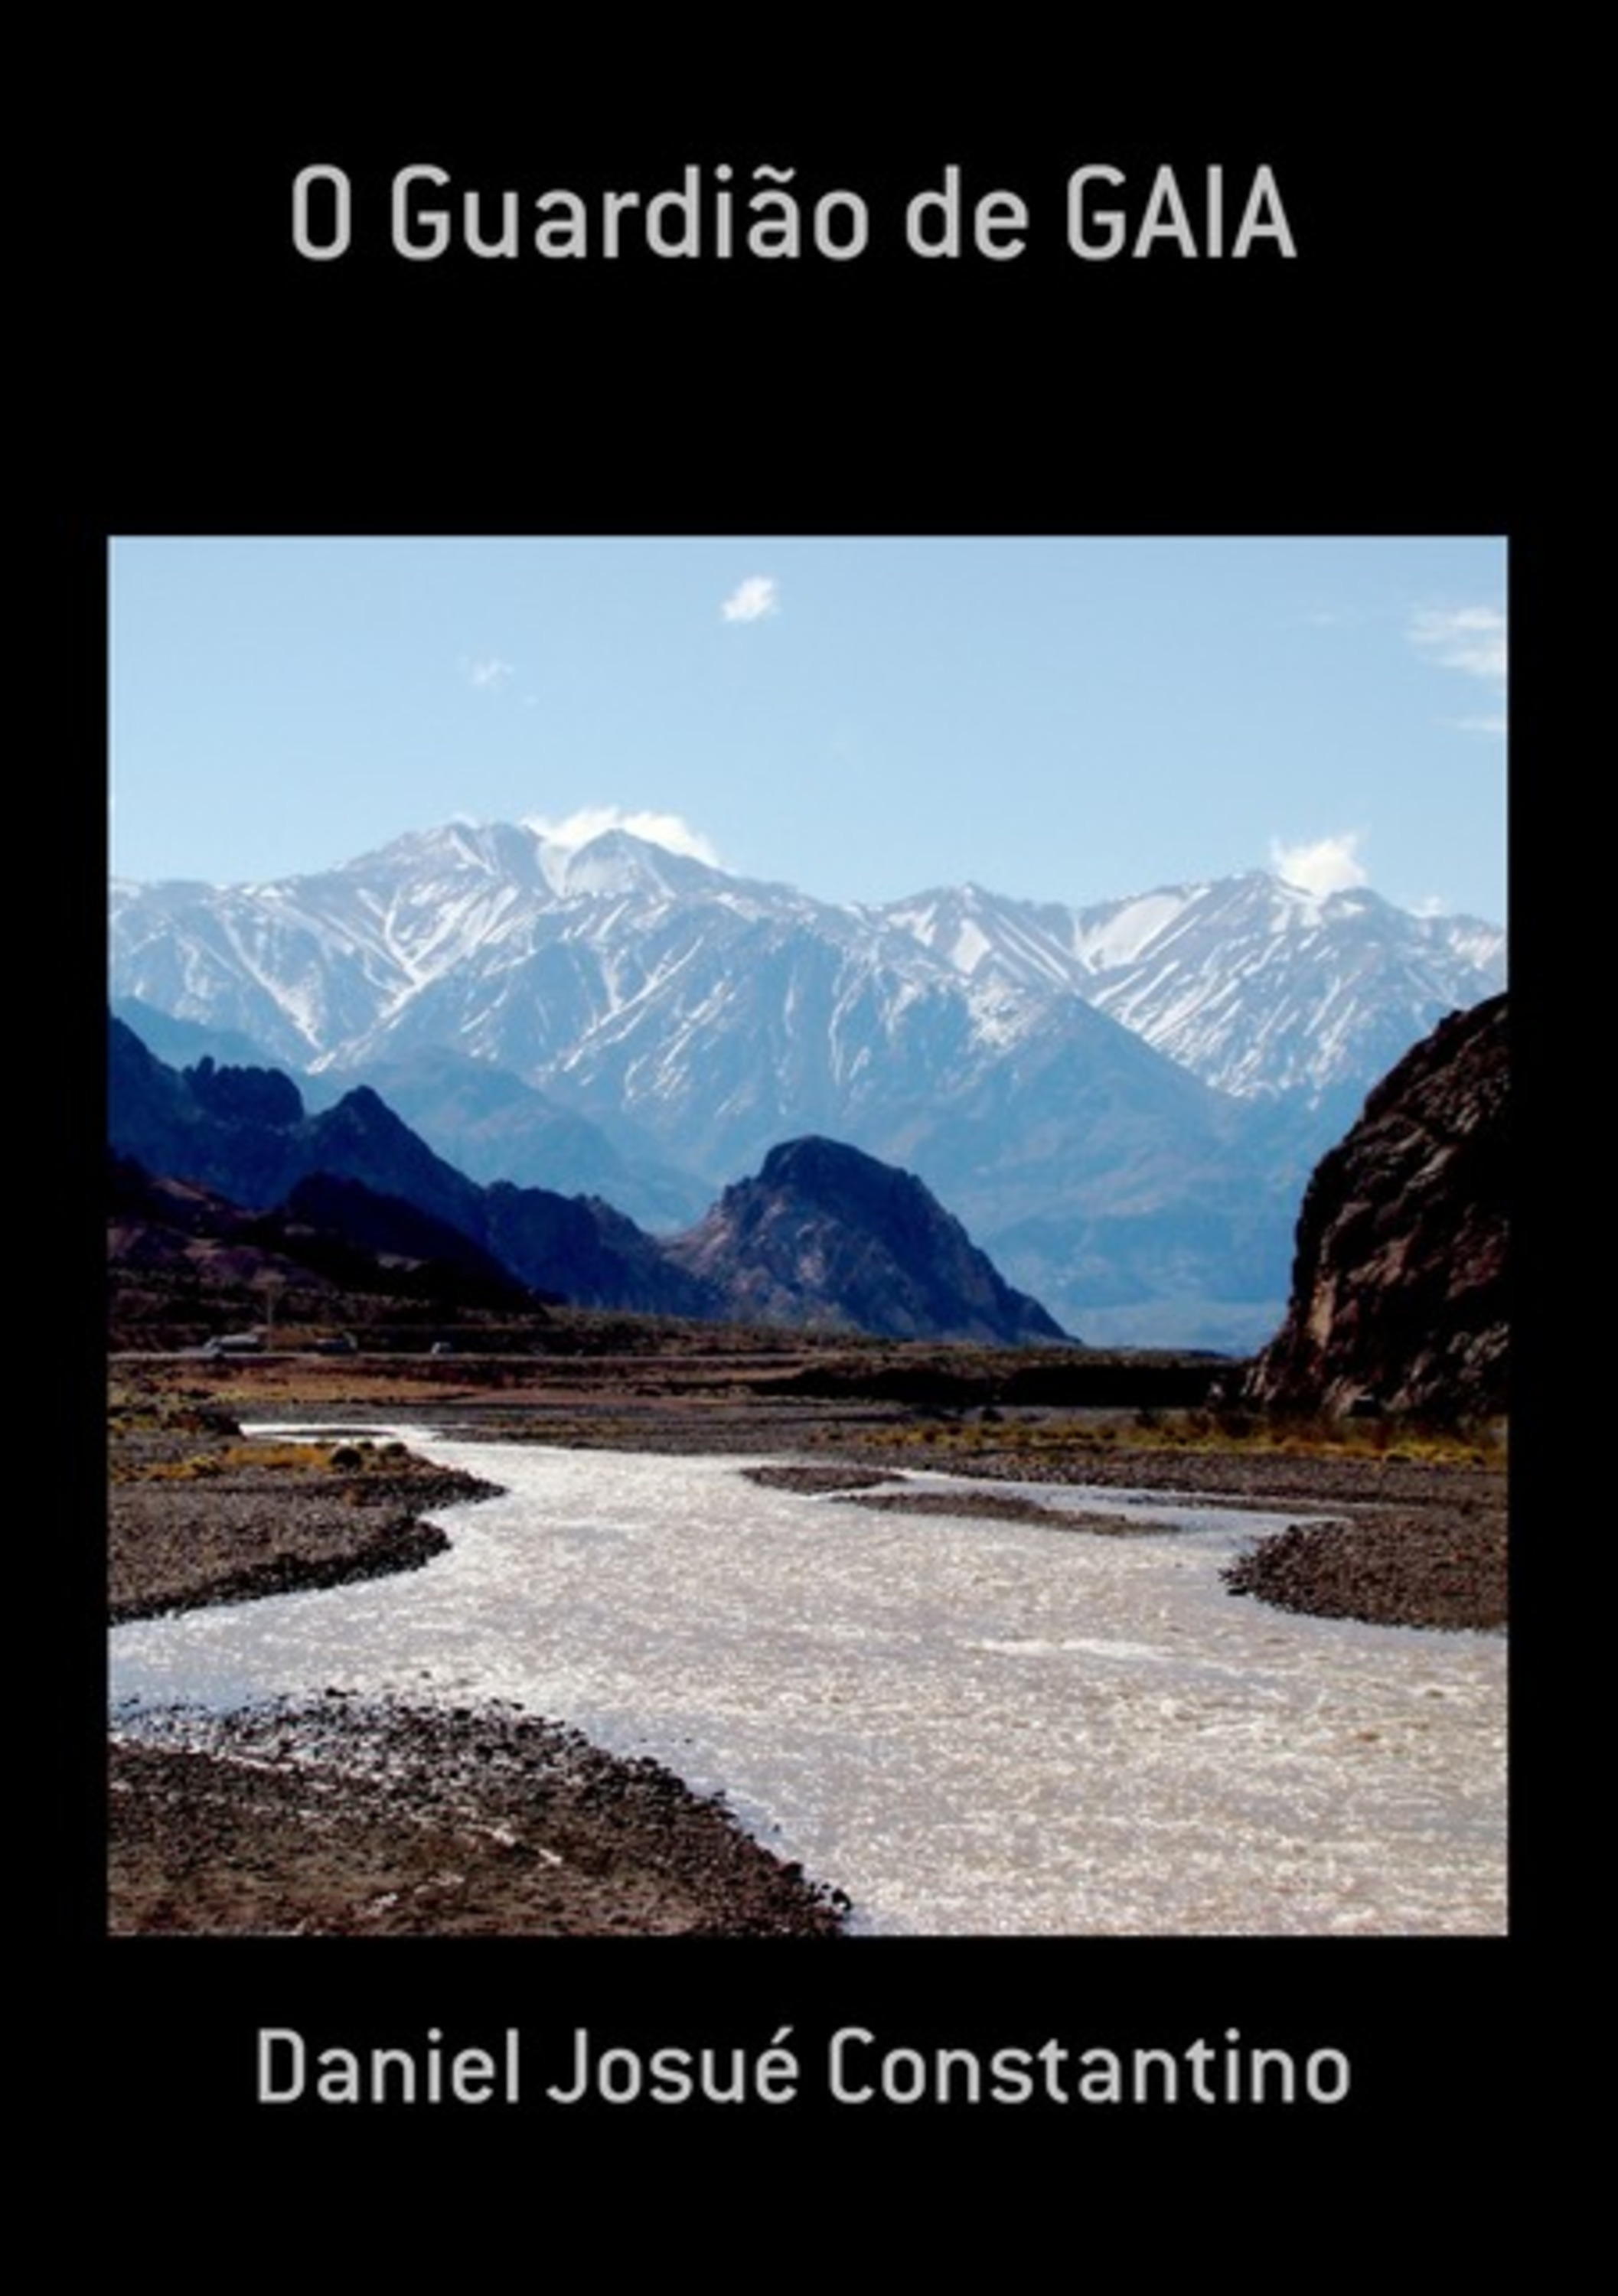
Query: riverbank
x=344 y=1818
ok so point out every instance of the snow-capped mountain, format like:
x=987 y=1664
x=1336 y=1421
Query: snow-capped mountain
x=1262 y=988
x=1117 y=1100
x=1257 y=985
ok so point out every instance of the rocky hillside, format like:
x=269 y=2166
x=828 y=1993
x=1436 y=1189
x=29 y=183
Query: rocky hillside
x=244 y=1134
x=186 y=1264
x=1400 y=1284
x=826 y=1235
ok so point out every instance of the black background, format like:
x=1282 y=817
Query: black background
x=200 y=377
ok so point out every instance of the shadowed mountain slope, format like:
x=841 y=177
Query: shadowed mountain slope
x=825 y=1234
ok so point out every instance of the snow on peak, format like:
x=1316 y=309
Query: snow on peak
x=587 y=823
x=617 y=861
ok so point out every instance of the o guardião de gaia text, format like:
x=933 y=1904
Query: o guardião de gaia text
x=764 y=214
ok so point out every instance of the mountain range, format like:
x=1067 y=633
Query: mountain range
x=823 y=1237
x=1123 y=1102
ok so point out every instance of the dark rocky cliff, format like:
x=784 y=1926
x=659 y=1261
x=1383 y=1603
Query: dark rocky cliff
x=1399 y=1295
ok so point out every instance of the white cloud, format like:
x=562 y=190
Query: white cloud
x=1331 y=864
x=665 y=829
x=1467 y=638
x=486 y=670
x=751 y=600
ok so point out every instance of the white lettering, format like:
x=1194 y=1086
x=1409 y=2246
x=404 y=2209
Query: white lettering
x=336 y=242
x=271 y=2039
x=856 y=228
x=1166 y=217
x=1313 y=2080
x=1079 y=218
x=686 y=205
x=565 y=229
x=435 y=219
x=506 y=243
x=1264 y=218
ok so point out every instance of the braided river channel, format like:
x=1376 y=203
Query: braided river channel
x=970 y=1727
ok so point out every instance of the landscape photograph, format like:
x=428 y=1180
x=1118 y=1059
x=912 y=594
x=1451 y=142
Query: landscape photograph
x=806 y=1236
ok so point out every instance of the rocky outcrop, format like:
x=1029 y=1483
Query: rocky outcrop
x=827 y=1237
x=1399 y=1297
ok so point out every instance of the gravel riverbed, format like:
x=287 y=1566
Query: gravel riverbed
x=360 y=1817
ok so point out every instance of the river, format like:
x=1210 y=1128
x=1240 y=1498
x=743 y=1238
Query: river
x=970 y=1727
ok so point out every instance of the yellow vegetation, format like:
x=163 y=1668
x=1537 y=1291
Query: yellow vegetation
x=1054 y=1436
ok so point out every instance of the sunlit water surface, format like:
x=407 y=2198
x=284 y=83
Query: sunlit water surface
x=970 y=1727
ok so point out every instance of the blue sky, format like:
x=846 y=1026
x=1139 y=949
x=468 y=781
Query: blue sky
x=1065 y=719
